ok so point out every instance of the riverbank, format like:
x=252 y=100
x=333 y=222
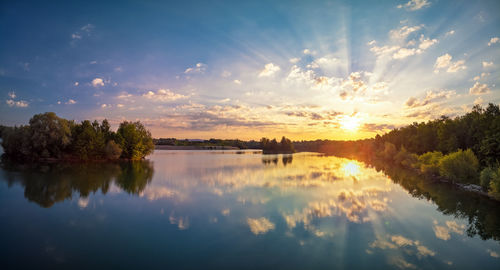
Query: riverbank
x=195 y=147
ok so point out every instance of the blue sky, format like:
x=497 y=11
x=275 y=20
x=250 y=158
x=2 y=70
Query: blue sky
x=229 y=69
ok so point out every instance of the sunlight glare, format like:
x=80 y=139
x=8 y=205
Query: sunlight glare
x=351 y=169
x=350 y=123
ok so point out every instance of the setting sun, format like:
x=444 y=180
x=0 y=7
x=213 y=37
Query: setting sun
x=350 y=123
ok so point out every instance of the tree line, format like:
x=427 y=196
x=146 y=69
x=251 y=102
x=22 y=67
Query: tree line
x=49 y=137
x=464 y=149
x=285 y=146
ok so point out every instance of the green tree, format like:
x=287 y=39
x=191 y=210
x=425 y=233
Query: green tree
x=429 y=163
x=50 y=135
x=488 y=175
x=460 y=166
x=135 y=140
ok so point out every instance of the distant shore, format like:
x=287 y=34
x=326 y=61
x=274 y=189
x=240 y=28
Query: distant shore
x=195 y=147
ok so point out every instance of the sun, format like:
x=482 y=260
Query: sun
x=350 y=123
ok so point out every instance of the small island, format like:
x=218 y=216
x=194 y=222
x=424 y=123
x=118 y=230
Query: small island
x=48 y=137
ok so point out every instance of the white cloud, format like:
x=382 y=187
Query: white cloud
x=269 y=70
x=83 y=31
x=70 y=101
x=260 y=225
x=163 y=95
x=371 y=42
x=425 y=43
x=479 y=88
x=105 y=106
x=413 y=5
x=12 y=94
x=87 y=28
x=309 y=78
x=76 y=83
x=20 y=103
x=404 y=52
x=400 y=49
x=430 y=97
x=478 y=101
x=120 y=105
x=444 y=61
x=97 y=82
x=487 y=64
x=326 y=62
x=198 y=68
x=124 y=95
x=352 y=86
x=493 y=40
x=403 y=32
x=308 y=52
x=294 y=60
x=379 y=51
x=237 y=81
x=449 y=33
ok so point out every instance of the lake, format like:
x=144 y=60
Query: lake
x=240 y=210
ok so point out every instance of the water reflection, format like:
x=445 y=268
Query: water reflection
x=52 y=183
x=273 y=159
x=480 y=212
x=305 y=204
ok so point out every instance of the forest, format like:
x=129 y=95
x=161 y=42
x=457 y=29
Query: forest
x=49 y=137
x=464 y=149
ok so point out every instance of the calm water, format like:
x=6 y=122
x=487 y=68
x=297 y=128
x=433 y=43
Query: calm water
x=202 y=209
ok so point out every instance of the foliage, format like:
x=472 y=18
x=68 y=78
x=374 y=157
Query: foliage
x=50 y=137
x=487 y=174
x=112 y=150
x=490 y=179
x=429 y=162
x=405 y=158
x=252 y=144
x=389 y=151
x=273 y=147
x=460 y=166
x=135 y=140
x=494 y=189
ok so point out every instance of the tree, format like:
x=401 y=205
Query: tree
x=460 y=166
x=50 y=135
x=135 y=140
x=429 y=163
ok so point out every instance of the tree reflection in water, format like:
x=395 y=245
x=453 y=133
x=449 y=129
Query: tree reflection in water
x=273 y=159
x=47 y=184
x=480 y=211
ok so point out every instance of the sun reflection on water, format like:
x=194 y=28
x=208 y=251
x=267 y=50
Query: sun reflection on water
x=351 y=168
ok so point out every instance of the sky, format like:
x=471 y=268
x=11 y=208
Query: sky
x=246 y=69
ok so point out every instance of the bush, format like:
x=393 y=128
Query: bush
x=486 y=176
x=429 y=162
x=494 y=190
x=460 y=166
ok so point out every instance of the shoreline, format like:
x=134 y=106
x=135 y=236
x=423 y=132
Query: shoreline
x=195 y=147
